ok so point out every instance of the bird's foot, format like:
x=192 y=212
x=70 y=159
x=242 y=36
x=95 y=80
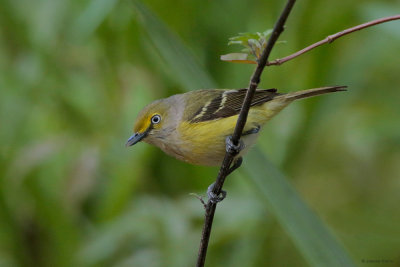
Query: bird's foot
x=231 y=148
x=252 y=131
x=236 y=164
x=213 y=197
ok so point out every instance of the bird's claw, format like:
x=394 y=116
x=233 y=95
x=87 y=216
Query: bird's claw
x=232 y=148
x=236 y=164
x=213 y=197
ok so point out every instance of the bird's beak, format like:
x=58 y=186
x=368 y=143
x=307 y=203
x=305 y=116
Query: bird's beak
x=137 y=137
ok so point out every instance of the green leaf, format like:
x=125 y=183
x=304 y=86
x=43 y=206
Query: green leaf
x=177 y=57
x=93 y=15
x=238 y=58
x=311 y=236
x=243 y=38
x=254 y=44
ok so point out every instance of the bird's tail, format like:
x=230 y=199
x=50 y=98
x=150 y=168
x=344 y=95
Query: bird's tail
x=311 y=92
x=280 y=101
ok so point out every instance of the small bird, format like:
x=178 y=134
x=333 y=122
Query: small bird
x=193 y=126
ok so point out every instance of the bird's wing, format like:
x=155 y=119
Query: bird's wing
x=225 y=103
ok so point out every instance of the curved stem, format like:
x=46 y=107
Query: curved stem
x=329 y=39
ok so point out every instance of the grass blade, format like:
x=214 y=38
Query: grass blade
x=308 y=232
x=177 y=57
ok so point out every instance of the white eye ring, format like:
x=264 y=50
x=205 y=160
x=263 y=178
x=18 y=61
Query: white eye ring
x=156 y=119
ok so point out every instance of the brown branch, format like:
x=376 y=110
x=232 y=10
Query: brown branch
x=223 y=172
x=210 y=207
x=331 y=38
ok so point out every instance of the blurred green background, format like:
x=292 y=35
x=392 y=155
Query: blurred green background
x=74 y=74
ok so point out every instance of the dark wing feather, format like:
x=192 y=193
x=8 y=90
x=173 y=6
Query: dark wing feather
x=229 y=102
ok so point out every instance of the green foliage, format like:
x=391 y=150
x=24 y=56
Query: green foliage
x=254 y=44
x=73 y=76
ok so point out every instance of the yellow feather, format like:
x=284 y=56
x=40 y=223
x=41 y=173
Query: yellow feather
x=204 y=142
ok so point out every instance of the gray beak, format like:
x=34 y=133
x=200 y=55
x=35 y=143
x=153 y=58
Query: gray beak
x=137 y=137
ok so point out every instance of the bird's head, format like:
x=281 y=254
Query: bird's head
x=150 y=122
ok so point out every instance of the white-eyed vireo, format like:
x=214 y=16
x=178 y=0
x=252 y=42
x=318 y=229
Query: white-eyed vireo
x=193 y=126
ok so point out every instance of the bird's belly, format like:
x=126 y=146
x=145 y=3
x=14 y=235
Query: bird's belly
x=211 y=153
x=248 y=140
x=206 y=144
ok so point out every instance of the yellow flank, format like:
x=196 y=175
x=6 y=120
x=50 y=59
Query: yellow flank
x=204 y=142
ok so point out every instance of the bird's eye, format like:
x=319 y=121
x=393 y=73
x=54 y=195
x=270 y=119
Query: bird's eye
x=156 y=119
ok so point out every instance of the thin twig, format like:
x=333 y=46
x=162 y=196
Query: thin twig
x=199 y=198
x=329 y=39
x=254 y=81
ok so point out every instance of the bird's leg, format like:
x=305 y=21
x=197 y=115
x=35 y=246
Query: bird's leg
x=213 y=197
x=252 y=131
x=234 y=150
x=231 y=148
x=236 y=164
